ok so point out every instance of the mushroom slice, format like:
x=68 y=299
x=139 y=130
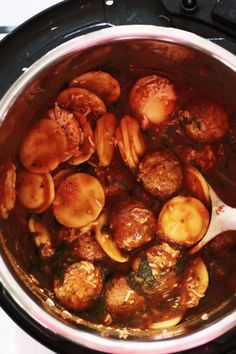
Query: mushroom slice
x=101 y=83
x=167 y=323
x=44 y=147
x=79 y=200
x=41 y=237
x=153 y=99
x=105 y=241
x=195 y=282
x=61 y=175
x=104 y=138
x=130 y=141
x=82 y=101
x=183 y=220
x=197 y=185
x=87 y=144
x=7 y=188
x=69 y=125
x=35 y=191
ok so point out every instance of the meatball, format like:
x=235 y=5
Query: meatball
x=133 y=224
x=205 y=120
x=161 y=173
x=155 y=269
x=223 y=245
x=121 y=299
x=85 y=247
x=203 y=158
x=81 y=284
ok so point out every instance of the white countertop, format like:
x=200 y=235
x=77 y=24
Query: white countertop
x=14 y=340
x=14 y=12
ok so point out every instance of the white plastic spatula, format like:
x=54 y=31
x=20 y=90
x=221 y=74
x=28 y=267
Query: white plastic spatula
x=223 y=218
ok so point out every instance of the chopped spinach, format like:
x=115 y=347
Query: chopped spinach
x=180 y=265
x=33 y=234
x=185 y=120
x=143 y=278
x=106 y=229
x=144 y=270
x=34 y=216
x=59 y=272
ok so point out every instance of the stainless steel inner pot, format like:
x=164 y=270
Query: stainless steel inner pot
x=170 y=51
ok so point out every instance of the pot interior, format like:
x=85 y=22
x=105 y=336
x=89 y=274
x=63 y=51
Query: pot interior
x=194 y=73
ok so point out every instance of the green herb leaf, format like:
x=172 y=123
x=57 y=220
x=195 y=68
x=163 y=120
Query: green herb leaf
x=185 y=120
x=33 y=234
x=180 y=265
x=145 y=271
x=106 y=229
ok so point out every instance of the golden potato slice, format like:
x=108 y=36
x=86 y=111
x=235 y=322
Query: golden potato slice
x=195 y=282
x=130 y=141
x=41 y=237
x=152 y=99
x=101 y=83
x=44 y=147
x=105 y=240
x=167 y=323
x=61 y=175
x=79 y=200
x=104 y=138
x=197 y=185
x=87 y=144
x=69 y=125
x=7 y=188
x=183 y=220
x=34 y=191
x=82 y=101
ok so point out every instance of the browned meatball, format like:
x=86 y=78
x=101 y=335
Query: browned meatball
x=223 y=245
x=161 y=173
x=81 y=284
x=121 y=299
x=133 y=224
x=85 y=247
x=156 y=269
x=205 y=120
x=203 y=158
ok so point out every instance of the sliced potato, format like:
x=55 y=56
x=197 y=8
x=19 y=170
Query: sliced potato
x=44 y=147
x=69 y=125
x=87 y=144
x=61 y=175
x=41 y=237
x=195 y=282
x=7 y=188
x=152 y=99
x=34 y=191
x=105 y=240
x=82 y=101
x=130 y=141
x=79 y=200
x=104 y=138
x=197 y=185
x=167 y=323
x=101 y=83
x=183 y=220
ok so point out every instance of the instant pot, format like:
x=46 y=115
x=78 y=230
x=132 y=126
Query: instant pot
x=37 y=59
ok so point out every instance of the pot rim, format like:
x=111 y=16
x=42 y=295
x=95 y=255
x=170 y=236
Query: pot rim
x=49 y=322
